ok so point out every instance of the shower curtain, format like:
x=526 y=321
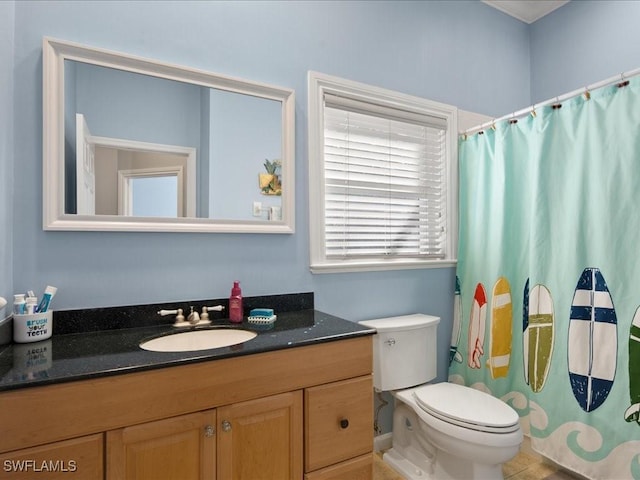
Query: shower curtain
x=547 y=298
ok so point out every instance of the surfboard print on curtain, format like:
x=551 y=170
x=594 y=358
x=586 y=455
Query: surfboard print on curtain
x=501 y=329
x=538 y=337
x=454 y=354
x=632 y=414
x=477 y=319
x=592 y=345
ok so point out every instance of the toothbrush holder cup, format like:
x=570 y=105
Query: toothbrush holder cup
x=32 y=327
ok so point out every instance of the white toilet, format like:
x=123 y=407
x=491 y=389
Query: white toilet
x=441 y=430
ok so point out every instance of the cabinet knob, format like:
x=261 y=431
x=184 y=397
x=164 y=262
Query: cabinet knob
x=209 y=431
x=226 y=426
x=344 y=423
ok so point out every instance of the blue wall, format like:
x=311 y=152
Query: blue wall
x=244 y=132
x=127 y=105
x=582 y=43
x=6 y=151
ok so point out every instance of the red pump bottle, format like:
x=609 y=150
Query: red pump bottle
x=235 y=304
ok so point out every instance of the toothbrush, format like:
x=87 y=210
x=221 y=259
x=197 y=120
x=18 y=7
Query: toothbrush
x=49 y=292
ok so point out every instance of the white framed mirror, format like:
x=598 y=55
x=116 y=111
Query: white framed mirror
x=133 y=144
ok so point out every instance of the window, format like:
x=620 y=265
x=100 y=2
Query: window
x=151 y=192
x=154 y=196
x=381 y=178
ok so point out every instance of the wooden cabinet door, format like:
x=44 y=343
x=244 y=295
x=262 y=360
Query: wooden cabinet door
x=79 y=458
x=338 y=422
x=176 y=448
x=261 y=439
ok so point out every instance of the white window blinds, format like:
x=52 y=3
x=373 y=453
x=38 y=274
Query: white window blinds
x=385 y=180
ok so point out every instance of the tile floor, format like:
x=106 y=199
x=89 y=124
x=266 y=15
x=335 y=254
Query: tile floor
x=381 y=471
x=528 y=467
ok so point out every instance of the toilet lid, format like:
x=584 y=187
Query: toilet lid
x=466 y=407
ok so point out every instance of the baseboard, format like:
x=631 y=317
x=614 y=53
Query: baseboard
x=382 y=442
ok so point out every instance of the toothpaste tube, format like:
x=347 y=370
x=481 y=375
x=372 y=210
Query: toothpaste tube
x=49 y=293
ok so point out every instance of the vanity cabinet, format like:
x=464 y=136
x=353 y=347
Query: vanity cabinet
x=303 y=412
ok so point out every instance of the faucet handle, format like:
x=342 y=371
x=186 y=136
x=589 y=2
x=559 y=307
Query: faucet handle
x=206 y=310
x=217 y=308
x=177 y=313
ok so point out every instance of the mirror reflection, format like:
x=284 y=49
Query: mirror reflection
x=198 y=151
x=116 y=180
x=133 y=144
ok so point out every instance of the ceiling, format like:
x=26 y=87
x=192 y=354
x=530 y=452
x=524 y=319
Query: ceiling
x=527 y=11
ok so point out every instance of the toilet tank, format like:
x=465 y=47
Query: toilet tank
x=404 y=350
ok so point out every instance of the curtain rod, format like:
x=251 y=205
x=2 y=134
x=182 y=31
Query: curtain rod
x=620 y=79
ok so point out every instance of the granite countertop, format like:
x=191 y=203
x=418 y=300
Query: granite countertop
x=76 y=356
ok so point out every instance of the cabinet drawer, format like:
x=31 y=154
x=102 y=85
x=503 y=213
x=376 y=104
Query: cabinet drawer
x=338 y=422
x=76 y=458
x=360 y=468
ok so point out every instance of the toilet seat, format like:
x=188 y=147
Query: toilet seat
x=466 y=407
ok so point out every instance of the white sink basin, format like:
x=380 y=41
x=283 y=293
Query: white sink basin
x=197 y=340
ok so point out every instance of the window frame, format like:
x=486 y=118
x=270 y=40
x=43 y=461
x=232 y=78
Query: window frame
x=318 y=85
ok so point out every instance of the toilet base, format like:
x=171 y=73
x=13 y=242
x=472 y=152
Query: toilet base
x=404 y=467
x=420 y=452
x=411 y=471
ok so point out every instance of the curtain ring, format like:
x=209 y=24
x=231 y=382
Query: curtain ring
x=587 y=94
x=623 y=82
x=533 y=110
